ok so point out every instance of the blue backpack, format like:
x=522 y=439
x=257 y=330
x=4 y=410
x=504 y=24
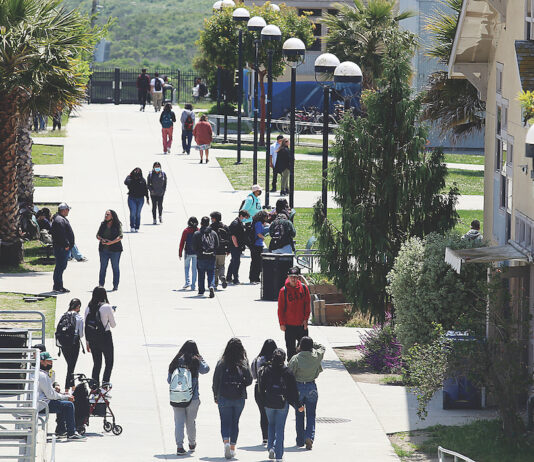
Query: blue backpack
x=166 y=119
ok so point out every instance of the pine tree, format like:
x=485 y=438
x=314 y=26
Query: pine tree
x=387 y=188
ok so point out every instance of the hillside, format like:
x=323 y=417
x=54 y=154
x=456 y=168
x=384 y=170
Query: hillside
x=151 y=32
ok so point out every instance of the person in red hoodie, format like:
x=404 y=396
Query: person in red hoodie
x=293 y=310
x=186 y=243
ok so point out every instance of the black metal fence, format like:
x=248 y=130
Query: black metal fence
x=185 y=87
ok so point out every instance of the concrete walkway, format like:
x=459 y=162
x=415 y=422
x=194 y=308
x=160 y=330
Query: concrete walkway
x=154 y=318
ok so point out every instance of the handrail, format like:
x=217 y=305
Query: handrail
x=457 y=456
x=41 y=321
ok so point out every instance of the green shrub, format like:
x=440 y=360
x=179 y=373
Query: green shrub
x=228 y=109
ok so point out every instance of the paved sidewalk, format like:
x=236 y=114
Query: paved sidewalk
x=105 y=143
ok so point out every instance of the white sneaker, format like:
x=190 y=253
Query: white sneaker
x=164 y=152
x=232 y=453
x=168 y=151
x=227 y=451
x=186 y=286
x=136 y=230
x=160 y=219
x=272 y=454
x=132 y=230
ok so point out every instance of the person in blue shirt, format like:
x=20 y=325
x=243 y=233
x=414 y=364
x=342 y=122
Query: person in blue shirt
x=252 y=203
x=259 y=231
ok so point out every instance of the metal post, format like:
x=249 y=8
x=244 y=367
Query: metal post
x=292 y=138
x=268 y=122
x=239 y=94
x=326 y=114
x=218 y=100
x=117 y=85
x=256 y=109
x=225 y=139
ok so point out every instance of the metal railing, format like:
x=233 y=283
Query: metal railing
x=29 y=321
x=442 y=452
x=307 y=259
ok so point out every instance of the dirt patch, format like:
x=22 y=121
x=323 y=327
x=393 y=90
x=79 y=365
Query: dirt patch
x=406 y=444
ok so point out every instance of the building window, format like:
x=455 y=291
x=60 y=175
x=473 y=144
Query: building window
x=529 y=20
x=498 y=78
x=524 y=231
x=316 y=45
x=503 y=195
x=501 y=125
x=318 y=30
x=333 y=12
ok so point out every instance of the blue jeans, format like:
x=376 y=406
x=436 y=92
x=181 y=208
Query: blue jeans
x=75 y=253
x=206 y=266
x=235 y=262
x=190 y=260
x=105 y=257
x=230 y=411
x=65 y=416
x=308 y=397
x=286 y=249
x=62 y=257
x=277 y=422
x=135 y=204
x=187 y=136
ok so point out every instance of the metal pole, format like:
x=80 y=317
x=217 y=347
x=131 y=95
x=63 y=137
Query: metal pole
x=269 y=113
x=218 y=100
x=225 y=140
x=239 y=95
x=255 y=154
x=292 y=138
x=326 y=113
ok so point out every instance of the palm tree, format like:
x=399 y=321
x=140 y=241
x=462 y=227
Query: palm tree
x=358 y=33
x=41 y=66
x=452 y=104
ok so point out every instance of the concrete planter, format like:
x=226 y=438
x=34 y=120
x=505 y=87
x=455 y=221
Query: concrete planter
x=328 y=305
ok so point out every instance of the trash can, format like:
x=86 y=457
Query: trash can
x=274 y=269
x=12 y=338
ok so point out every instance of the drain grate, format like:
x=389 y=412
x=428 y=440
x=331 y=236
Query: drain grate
x=331 y=420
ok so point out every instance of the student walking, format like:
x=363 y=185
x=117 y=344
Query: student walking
x=184 y=394
x=236 y=245
x=190 y=257
x=252 y=203
x=293 y=310
x=231 y=378
x=306 y=366
x=274 y=159
x=137 y=189
x=188 y=122
x=143 y=87
x=261 y=360
x=256 y=249
x=278 y=389
x=223 y=234
x=99 y=320
x=167 y=119
x=156 y=90
x=62 y=242
x=282 y=233
x=205 y=243
x=110 y=247
x=157 y=185
x=203 y=137
x=69 y=333
x=283 y=164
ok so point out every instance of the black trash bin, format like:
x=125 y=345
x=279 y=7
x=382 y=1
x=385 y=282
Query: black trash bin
x=12 y=338
x=274 y=269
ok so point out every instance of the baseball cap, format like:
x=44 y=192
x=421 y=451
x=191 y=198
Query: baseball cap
x=63 y=206
x=45 y=356
x=295 y=271
x=256 y=187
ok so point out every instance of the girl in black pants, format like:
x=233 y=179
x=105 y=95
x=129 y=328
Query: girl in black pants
x=256 y=249
x=99 y=320
x=72 y=350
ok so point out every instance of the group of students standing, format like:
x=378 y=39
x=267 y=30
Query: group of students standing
x=277 y=386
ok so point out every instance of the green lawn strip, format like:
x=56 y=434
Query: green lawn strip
x=466 y=217
x=40 y=151
x=464 y=159
x=469 y=182
x=49 y=133
x=40 y=181
x=35 y=259
x=249 y=147
x=13 y=301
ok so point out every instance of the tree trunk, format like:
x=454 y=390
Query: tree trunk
x=261 y=75
x=24 y=163
x=11 y=246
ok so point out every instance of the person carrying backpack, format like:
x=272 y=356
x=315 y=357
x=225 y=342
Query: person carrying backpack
x=157 y=185
x=184 y=395
x=282 y=233
x=205 y=243
x=156 y=90
x=99 y=320
x=252 y=203
x=258 y=231
x=278 y=389
x=167 y=119
x=190 y=257
x=222 y=250
x=231 y=378
x=69 y=333
x=238 y=241
x=188 y=122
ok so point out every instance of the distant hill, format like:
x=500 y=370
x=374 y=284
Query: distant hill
x=151 y=32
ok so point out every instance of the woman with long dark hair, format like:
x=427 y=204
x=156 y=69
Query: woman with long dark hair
x=137 y=191
x=70 y=346
x=231 y=378
x=110 y=247
x=259 y=230
x=259 y=361
x=99 y=320
x=188 y=357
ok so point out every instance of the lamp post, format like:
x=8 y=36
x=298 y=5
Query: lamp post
x=293 y=50
x=274 y=7
x=239 y=15
x=346 y=76
x=269 y=33
x=255 y=24
x=325 y=65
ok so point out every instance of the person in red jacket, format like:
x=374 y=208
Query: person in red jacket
x=203 y=137
x=293 y=310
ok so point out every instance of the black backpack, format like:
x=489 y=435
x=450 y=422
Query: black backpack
x=279 y=234
x=224 y=236
x=94 y=328
x=232 y=382
x=273 y=388
x=207 y=243
x=66 y=330
x=157 y=84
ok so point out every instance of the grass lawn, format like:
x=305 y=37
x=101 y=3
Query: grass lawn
x=204 y=104
x=249 y=147
x=464 y=159
x=469 y=182
x=40 y=181
x=34 y=259
x=49 y=133
x=12 y=301
x=40 y=151
x=466 y=217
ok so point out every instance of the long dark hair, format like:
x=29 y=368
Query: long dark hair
x=278 y=359
x=167 y=107
x=234 y=353
x=115 y=222
x=100 y=296
x=74 y=303
x=267 y=349
x=261 y=216
x=190 y=355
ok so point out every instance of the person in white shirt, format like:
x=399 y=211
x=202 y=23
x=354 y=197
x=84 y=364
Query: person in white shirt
x=274 y=154
x=99 y=320
x=57 y=403
x=70 y=344
x=156 y=90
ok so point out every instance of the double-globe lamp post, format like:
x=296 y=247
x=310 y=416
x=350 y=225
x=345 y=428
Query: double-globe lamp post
x=294 y=51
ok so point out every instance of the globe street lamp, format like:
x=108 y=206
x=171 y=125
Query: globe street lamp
x=293 y=50
x=217 y=6
x=239 y=15
x=255 y=25
x=346 y=76
x=274 y=7
x=325 y=65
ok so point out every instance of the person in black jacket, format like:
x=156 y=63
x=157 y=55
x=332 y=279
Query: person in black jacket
x=283 y=164
x=137 y=189
x=62 y=241
x=205 y=243
x=278 y=389
x=110 y=247
x=223 y=248
x=236 y=245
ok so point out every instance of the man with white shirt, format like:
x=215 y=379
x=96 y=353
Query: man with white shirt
x=274 y=154
x=156 y=90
